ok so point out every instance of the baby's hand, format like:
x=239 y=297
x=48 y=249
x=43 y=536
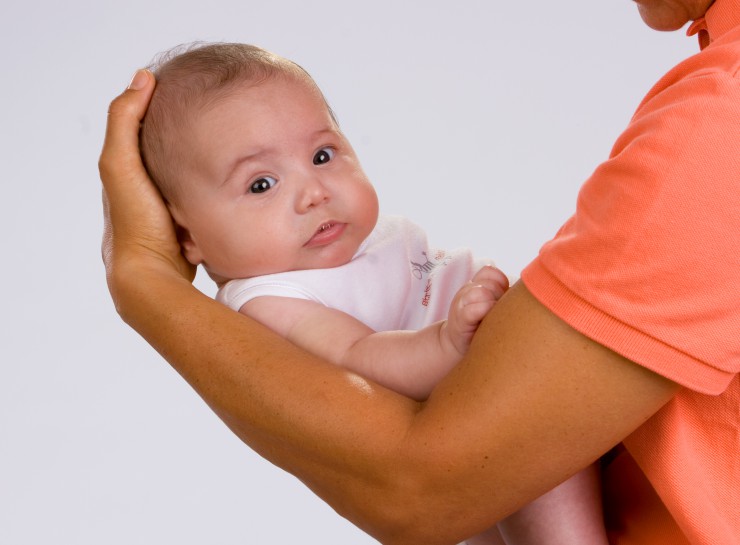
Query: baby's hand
x=471 y=304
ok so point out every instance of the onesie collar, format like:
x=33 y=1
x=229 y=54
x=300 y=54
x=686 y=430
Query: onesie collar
x=721 y=17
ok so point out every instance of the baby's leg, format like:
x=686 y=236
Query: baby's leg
x=570 y=514
x=490 y=537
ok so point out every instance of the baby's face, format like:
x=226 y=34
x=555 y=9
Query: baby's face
x=272 y=185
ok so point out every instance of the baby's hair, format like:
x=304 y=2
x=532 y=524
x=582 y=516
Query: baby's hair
x=190 y=78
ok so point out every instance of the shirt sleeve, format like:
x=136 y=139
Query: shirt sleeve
x=649 y=264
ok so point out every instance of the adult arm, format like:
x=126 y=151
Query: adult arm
x=533 y=402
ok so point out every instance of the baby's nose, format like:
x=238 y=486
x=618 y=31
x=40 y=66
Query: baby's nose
x=313 y=192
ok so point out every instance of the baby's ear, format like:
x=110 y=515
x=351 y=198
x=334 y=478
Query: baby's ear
x=189 y=248
x=187 y=244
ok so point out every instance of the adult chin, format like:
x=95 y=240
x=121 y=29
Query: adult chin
x=668 y=15
x=665 y=22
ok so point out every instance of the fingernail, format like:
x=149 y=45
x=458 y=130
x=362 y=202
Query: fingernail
x=138 y=81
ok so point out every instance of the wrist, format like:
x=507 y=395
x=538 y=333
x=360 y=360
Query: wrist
x=135 y=282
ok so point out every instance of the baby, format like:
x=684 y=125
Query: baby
x=269 y=196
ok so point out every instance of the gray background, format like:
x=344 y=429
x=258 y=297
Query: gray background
x=479 y=120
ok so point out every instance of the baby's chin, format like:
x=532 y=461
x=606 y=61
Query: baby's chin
x=217 y=278
x=333 y=259
x=324 y=262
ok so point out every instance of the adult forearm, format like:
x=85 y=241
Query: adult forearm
x=300 y=413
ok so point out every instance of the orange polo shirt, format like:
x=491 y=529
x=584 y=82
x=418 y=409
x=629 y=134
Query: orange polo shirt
x=649 y=266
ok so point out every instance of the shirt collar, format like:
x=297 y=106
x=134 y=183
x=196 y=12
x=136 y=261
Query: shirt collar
x=721 y=17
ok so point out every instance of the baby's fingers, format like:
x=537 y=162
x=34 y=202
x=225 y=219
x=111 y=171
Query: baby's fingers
x=475 y=300
x=492 y=279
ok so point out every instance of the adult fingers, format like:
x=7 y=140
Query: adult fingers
x=120 y=154
x=136 y=219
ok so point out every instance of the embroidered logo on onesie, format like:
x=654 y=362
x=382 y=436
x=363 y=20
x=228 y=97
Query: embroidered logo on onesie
x=419 y=270
x=427 y=293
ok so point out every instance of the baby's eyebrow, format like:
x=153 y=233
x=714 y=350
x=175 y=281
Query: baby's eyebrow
x=238 y=162
x=328 y=131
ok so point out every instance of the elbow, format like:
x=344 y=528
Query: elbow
x=409 y=509
x=412 y=530
x=406 y=526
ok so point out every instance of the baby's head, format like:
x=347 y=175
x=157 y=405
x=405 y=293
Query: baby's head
x=252 y=164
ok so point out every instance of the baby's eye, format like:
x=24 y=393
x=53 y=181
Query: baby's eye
x=262 y=184
x=324 y=155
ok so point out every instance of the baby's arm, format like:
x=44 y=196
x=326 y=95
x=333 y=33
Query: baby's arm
x=409 y=362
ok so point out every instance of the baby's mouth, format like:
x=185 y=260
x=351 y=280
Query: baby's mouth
x=327 y=233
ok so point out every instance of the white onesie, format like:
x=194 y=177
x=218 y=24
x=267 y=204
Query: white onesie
x=394 y=281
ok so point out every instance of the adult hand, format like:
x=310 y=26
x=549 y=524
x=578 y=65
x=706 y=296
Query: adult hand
x=139 y=234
